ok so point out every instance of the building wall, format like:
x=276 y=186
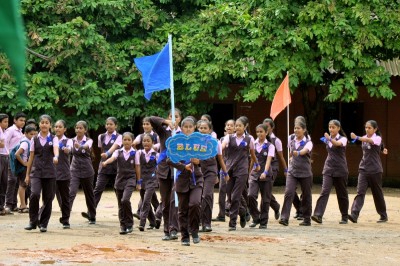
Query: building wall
x=386 y=113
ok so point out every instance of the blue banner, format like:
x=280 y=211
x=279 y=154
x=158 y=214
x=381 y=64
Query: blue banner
x=183 y=148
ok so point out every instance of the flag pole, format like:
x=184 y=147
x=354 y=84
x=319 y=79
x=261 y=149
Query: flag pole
x=287 y=124
x=171 y=87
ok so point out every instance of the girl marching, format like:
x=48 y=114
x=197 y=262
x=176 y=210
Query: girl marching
x=128 y=171
x=335 y=173
x=370 y=172
x=41 y=174
x=262 y=180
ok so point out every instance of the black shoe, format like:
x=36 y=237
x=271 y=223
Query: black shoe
x=227 y=213
x=136 y=215
x=352 y=218
x=232 y=228
x=254 y=224
x=248 y=217
x=43 y=229
x=196 y=238
x=284 y=222
x=158 y=223
x=141 y=228
x=305 y=223
x=262 y=226
x=129 y=229
x=382 y=220
x=92 y=221
x=300 y=217
x=218 y=219
x=66 y=226
x=151 y=227
x=85 y=215
x=185 y=242
x=30 y=226
x=166 y=238
x=277 y=214
x=122 y=230
x=317 y=219
x=206 y=229
x=243 y=221
x=173 y=235
x=343 y=221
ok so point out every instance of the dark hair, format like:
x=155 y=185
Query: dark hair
x=264 y=127
x=19 y=115
x=113 y=119
x=374 y=124
x=303 y=125
x=301 y=118
x=147 y=135
x=188 y=119
x=128 y=134
x=85 y=126
x=31 y=121
x=337 y=123
x=270 y=122
x=62 y=122
x=208 y=123
x=227 y=121
x=3 y=116
x=45 y=117
x=243 y=120
x=29 y=129
x=176 y=111
x=146 y=119
x=208 y=117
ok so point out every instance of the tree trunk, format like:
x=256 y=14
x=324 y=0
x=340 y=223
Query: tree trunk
x=312 y=107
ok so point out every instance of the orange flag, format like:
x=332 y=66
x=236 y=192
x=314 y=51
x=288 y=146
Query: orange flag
x=281 y=99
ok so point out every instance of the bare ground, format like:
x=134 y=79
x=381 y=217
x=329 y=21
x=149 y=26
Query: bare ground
x=364 y=243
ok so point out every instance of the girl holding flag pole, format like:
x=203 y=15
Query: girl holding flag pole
x=189 y=186
x=163 y=127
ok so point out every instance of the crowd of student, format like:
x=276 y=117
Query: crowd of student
x=39 y=161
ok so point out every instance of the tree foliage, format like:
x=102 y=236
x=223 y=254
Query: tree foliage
x=329 y=47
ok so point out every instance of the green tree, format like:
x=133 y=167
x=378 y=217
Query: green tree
x=81 y=60
x=329 y=48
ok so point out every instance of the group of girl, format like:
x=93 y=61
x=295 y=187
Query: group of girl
x=248 y=167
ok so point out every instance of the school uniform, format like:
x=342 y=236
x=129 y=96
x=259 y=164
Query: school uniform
x=264 y=186
x=154 y=200
x=43 y=179
x=370 y=174
x=237 y=164
x=299 y=172
x=166 y=179
x=13 y=136
x=275 y=169
x=125 y=183
x=209 y=168
x=4 y=158
x=148 y=163
x=105 y=174
x=82 y=173
x=222 y=191
x=188 y=186
x=63 y=179
x=335 y=172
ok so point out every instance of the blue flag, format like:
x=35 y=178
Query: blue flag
x=155 y=71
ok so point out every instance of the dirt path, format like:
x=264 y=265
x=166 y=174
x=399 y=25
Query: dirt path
x=364 y=243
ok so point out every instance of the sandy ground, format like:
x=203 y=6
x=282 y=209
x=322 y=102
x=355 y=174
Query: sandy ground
x=364 y=243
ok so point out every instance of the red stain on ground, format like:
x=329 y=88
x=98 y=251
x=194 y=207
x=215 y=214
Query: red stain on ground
x=219 y=238
x=86 y=253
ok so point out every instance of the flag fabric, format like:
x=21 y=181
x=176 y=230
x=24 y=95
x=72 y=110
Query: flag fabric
x=12 y=41
x=281 y=99
x=155 y=71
